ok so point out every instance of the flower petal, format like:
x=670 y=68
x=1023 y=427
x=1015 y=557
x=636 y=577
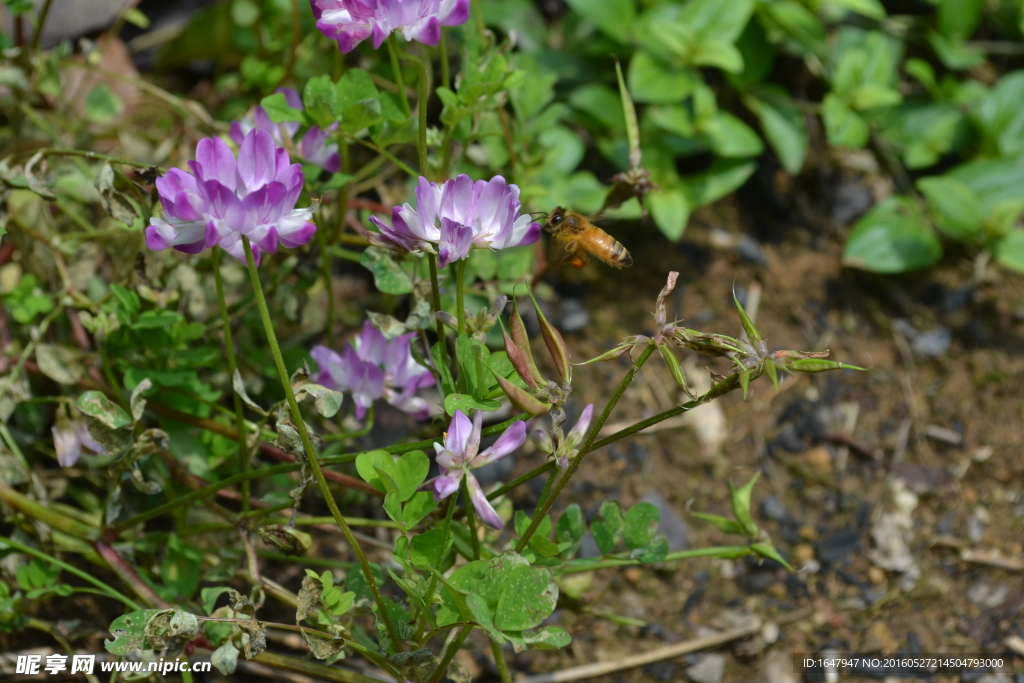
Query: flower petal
x=459 y=431
x=512 y=439
x=214 y=161
x=579 y=430
x=480 y=503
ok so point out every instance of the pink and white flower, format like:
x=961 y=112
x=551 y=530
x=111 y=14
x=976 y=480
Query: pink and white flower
x=458 y=456
x=374 y=367
x=313 y=147
x=350 y=22
x=453 y=218
x=224 y=199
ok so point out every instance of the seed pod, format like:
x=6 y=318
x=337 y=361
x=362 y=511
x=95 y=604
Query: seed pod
x=519 y=362
x=522 y=399
x=287 y=539
x=517 y=330
x=673 y=367
x=819 y=365
x=556 y=345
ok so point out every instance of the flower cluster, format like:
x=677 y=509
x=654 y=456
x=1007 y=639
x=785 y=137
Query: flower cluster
x=224 y=199
x=459 y=455
x=350 y=22
x=313 y=146
x=374 y=367
x=451 y=219
x=564 y=447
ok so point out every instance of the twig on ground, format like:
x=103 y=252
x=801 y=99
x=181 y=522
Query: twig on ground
x=603 y=668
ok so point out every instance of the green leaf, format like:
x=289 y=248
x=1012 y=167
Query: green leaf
x=361 y=115
x=419 y=506
x=713 y=18
x=129 y=631
x=547 y=638
x=327 y=401
x=570 y=528
x=724 y=524
x=608 y=527
x=95 y=404
x=355 y=85
x=641 y=525
x=209 y=597
x=670 y=210
x=721 y=178
x=1009 y=251
x=629 y=115
x=786 y=131
x=720 y=53
x=320 y=99
x=843 y=126
x=1003 y=217
x=101 y=104
x=871 y=96
x=741 y=505
x=730 y=137
x=613 y=17
x=279 y=111
x=407 y=472
x=957 y=209
x=652 y=81
x=959 y=19
x=62 y=364
x=528 y=597
x=954 y=53
x=465 y=403
x=869 y=8
x=388 y=276
x=426 y=549
x=892 y=238
x=768 y=550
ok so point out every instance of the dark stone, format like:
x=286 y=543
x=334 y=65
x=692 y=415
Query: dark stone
x=838 y=546
x=757 y=581
x=588 y=547
x=692 y=600
x=670 y=523
x=773 y=509
x=574 y=317
x=662 y=671
x=788 y=440
x=750 y=249
x=956 y=299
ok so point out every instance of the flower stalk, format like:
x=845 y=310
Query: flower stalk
x=229 y=351
x=300 y=426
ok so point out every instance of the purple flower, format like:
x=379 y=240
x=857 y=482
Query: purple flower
x=564 y=448
x=312 y=147
x=461 y=214
x=350 y=22
x=224 y=199
x=374 y=367
x=459 y=455
x=69 y=438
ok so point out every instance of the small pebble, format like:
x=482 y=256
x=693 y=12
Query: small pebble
x=802 y=554
x=876 y=575
x=574 y=317
x=878 y=637
x=710 y=669
x=770 y=632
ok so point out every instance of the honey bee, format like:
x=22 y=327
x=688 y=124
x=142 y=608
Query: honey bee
x=581 y=237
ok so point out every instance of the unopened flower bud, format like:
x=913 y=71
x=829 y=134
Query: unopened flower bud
x=447 y=319
x=288 y=540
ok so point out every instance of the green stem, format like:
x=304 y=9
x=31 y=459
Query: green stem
x=727 y=551
x=311 y=456
x=520 y=480
x=229 y=347
x=470 y=519
x=644 y=424
x=547 y=486
x=423 y=99
x=446 y=535
x=587 y=446
x=460 y=293
x=108 y=590
x=435 y=300
x=449 y=653
x=478 y=11
x=397 y=70
x=40 y=22
x=325 y=273
x=499 y=659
